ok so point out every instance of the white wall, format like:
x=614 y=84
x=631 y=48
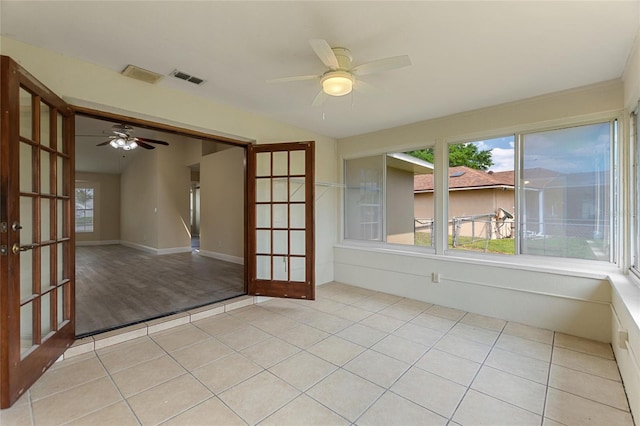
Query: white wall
x=173 y=179
x=139 y=200
x=87 y=84
x=221 y=212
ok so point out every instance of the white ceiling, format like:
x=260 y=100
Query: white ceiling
x=465 y=55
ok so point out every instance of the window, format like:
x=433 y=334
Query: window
x=364 y=179
x=635 y=138
x=84 y=209
x=565 y=192
x=481 y=199
x=389 y=198
x=555 y=200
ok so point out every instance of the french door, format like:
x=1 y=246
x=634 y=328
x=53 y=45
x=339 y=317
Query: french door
x=281 y=220
x=37 y=306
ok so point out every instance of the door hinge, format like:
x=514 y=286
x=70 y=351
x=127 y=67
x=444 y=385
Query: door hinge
x=4 y=227
x=3 y=250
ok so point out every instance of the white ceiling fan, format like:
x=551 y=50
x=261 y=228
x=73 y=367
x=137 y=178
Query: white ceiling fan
x=340 y=78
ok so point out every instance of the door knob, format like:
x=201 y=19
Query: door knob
x=17 y=248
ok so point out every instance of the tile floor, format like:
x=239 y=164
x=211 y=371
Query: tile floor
x=353 y=356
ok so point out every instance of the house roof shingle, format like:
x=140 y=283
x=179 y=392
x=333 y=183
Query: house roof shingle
x=466 y=177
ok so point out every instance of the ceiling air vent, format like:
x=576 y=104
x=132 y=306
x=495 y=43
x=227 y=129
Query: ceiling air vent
x=141 y=74
x=188 y=77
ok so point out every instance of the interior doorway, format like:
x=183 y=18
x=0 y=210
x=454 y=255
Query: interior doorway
x=159 y=228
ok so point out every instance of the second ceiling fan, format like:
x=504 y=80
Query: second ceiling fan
x=340 y=78
x=123 y=138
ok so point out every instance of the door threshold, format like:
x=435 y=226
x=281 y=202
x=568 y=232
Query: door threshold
x=110 y=338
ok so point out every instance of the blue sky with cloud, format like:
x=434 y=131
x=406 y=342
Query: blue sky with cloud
x=502 y=152
x=572 y=150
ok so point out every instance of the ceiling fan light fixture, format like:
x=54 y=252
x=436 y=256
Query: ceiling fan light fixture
x=337 y=83
x=114 y=144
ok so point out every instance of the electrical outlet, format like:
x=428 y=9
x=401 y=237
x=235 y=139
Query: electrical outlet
x=435 y=277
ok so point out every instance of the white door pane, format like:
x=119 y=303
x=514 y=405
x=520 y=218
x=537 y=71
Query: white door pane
x=45 y=172
x=263 y=215
x=263 y=164
x=280 y=216
x=297 y=242
x=60 y=142
x=297 y=215
x=263 y=190
x=280 y=160
x=280 y=190
x=263 y=267
x=26 y=274
x=298 y=269
x=45 y=314
x=26 y=328
x=296 y=162
x=45 y=268
x=45 y=219
x=26 y=114
x=263 y=241
x=296 y=190
x=26 y=168
x=60 y=218
x=60 y=262
x=45 y=125
x=26 y=220
x=60 y=176
x=280 y=268
x=280 y=244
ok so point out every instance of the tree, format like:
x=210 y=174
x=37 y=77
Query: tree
x=466 y=154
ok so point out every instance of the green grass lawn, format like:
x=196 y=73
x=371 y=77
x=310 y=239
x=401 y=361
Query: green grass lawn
x=550 y=246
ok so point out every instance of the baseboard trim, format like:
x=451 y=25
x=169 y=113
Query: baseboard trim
x=97 y=243
x=222 y=256
x=151 y=250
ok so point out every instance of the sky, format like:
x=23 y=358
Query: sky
x=571 y=150
x=502 y=152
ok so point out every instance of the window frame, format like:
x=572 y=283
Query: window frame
x=382 y=243
x=634 y=192
x=85 y=186
x=440 y=241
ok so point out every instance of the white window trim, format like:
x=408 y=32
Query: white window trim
x=440 y=248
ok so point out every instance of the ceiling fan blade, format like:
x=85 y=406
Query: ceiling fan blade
x=138 y=139
x=324 y=52
x=145 y=145
x=366 y=88
x=296 y=78
x=319 y=99
x=380 y=65
x=103 y=143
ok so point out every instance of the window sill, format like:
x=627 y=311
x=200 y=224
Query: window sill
x=564 y=266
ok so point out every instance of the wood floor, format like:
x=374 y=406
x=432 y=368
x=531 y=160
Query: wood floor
x=117 y=285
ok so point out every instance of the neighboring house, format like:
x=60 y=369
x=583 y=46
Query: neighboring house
x=556 y=203
x=471 y=193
